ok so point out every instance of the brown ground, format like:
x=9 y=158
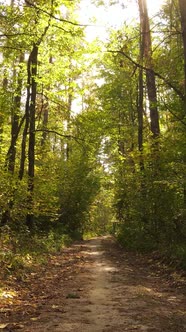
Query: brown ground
x=96 y=286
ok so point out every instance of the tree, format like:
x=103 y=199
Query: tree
x=146 y=46
x=32 y=79
x=182 y=6
x=77 y=126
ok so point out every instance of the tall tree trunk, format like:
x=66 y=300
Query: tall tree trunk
x=45 y=112
x=44 y=122
x=5 y=86
x=121 y=144
x=30 y=126
x=31 y=145
x=140 y=89
x=182 y=5
x=15 y=129
x=150 y=76
x=146 y=56
x=27 y=121
x=140 y=112
x=16 y=126
x=69 y=110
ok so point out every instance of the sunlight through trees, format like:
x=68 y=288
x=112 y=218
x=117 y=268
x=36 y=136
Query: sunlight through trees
x=93 y=122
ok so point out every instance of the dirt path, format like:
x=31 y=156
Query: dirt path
x=102 y=289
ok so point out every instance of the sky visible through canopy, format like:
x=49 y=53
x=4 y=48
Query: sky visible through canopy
x=112 y=16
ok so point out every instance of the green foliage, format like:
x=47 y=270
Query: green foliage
x=149 y=185
x=87 y=167
x=178 y=255
x=101 y=212
x=78 y=186
x=20 y=252
x=150 y=207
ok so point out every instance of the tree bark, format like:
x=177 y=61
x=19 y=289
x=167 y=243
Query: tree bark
x=45 y=112
x=182 y=5
x=150 y=75
x=31 y=148
x=16 y=126
x=27 y=120
x=44 y=122
x=31 y=144
x=4 y=86
x=140 y=89
x=68 y=149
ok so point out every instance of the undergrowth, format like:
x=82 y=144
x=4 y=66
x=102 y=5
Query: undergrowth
x=19 y=253
x=173 y=253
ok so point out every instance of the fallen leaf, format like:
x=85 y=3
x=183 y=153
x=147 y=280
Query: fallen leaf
x=55 y=306
x=2 y=326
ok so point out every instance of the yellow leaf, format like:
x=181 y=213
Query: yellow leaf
x=2 y=326
x=55 y=306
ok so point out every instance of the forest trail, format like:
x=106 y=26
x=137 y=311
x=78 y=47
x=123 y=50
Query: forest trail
x=96 y=286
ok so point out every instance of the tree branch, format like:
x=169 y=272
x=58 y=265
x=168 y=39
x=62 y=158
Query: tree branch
x=53 y=16
x=67 y=31
x=178 y=92
x=15 y=34
x=53 y=101
x=11 y=48
x=59 y=134
x=177 y=117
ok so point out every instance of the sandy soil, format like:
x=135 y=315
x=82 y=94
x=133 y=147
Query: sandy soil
x=102 y=289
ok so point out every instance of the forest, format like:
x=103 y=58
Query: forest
x=92 y=133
